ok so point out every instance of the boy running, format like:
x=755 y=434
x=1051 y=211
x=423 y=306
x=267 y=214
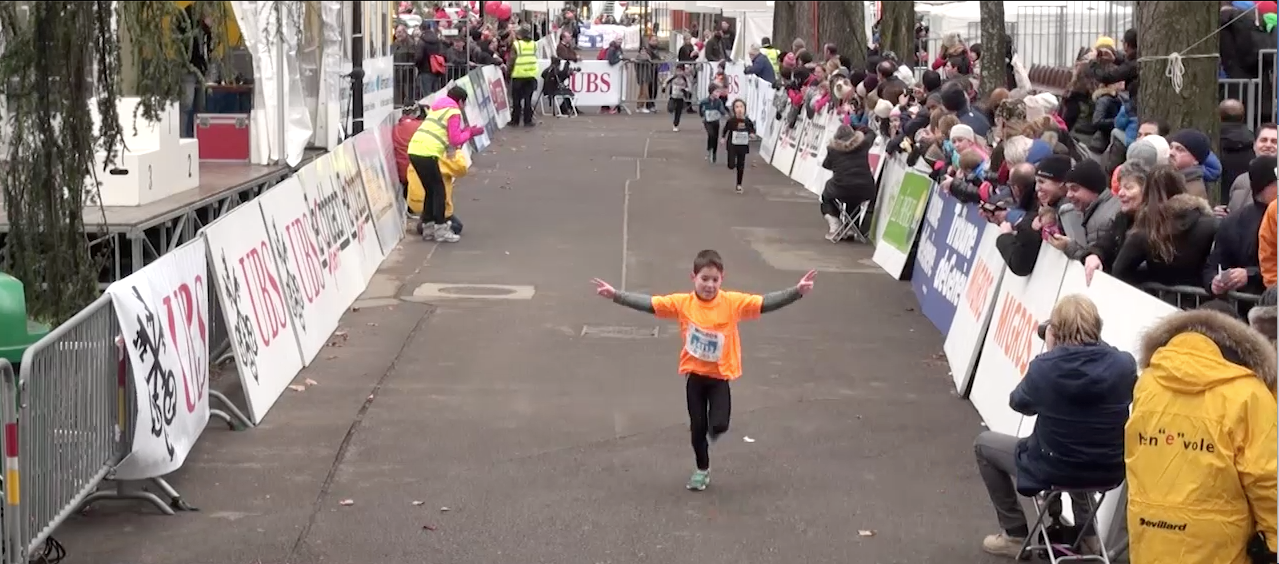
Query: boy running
x=711 y=357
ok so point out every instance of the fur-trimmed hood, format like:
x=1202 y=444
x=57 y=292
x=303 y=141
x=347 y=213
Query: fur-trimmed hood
x=1196 y=350
x=848 y=145
x=1186 y=210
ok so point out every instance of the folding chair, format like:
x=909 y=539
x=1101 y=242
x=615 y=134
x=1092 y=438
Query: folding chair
x=551 y=104
x=1039 y=542
x=849 y=223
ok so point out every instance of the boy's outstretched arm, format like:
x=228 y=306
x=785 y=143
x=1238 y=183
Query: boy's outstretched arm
x=774 y=301
x=633 y=300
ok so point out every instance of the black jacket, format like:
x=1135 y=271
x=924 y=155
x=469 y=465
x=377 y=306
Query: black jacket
x=1195 y=228
x=1080 y=396
x=1236 y=153
x=853 y=180
x=1020 y=249
x=1236 y=247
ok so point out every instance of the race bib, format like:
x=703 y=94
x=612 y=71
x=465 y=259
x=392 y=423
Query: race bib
x=711 y=115
x=704 y=345
x=741 y=138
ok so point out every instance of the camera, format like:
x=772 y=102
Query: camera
x=1042 y=330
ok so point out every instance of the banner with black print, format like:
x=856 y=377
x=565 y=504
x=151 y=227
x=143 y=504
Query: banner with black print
x=163 y=314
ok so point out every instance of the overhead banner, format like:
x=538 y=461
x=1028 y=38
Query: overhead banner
x=163 y=313
x=948 y=244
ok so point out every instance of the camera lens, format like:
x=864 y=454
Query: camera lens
x=1043 y=331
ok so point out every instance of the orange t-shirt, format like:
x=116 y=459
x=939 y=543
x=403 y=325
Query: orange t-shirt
x=712 y=346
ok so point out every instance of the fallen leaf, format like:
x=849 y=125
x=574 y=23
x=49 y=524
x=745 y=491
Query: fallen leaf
x=429 y=527
x=444 y=510
x=748 y=439
x=419 y=503
x=371 y=324
x=357 y=308
x=347 y=502
x=311 y=382
x=340 y=334
x=297 y=387
x=865 y=533
x=330 y=357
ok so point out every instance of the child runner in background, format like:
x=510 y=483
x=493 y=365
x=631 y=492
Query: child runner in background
x=713 y=110
x=678 y=86
x=711 y=357
x=738 y=131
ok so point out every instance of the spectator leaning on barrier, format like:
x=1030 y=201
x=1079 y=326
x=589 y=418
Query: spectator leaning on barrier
x=1079 y=388
x=1190 y=148
x=1171 y=236
x=1131 y=195
x=760 y=65
x=1265 y=143
x=1086 y=190
x=1200 y=444
x=1233 y=265
x=1018 y=243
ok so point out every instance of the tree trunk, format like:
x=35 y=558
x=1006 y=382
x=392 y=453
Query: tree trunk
x=835 y=21
x=1167 y=27
x=897 y=31
x=994 y=47
x=783 y=24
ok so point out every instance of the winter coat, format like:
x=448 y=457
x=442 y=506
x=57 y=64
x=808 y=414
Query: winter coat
x=1098 y=219
x=1194 y=229
x=1200 y=443
x=852 y=179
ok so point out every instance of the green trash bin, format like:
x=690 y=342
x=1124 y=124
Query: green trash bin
x=16 y=331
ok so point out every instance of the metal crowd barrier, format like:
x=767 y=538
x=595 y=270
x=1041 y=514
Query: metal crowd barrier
x=1191 y=297
x=409 y=86
x=643 y=82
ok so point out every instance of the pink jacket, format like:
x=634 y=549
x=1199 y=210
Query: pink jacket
x=458 y=133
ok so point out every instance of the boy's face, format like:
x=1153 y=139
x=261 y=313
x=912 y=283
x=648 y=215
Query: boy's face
x=706 y=282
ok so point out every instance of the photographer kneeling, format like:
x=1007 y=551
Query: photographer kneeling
x=1080 y=389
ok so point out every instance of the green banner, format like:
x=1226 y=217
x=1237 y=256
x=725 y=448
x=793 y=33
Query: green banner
x=907 y=212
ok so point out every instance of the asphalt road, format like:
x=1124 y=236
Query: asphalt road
x=548 y=445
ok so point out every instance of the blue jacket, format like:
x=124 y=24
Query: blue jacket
x=1081 y=395
x=1127 y=122
x=761 y=67
x=1212 y=168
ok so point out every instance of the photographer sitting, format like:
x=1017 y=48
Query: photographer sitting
x=1080 y=389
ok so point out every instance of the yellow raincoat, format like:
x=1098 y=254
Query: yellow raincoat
x=1200 y=444
x=452 y=167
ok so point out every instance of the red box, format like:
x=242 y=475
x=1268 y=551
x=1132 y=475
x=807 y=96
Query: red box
x=223 y=137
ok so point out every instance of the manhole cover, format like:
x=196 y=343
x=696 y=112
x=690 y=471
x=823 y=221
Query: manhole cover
x=475 y=291
x=619 y=331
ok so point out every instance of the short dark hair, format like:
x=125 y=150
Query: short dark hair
x=458 y=94
x=708 y=257
x=1267 y=125
x=1160 y=125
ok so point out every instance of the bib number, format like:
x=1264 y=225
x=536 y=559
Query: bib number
x=704 y=345
x=741 y=137
x=711 y=115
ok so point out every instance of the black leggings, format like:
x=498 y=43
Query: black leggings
x=710 y=403
x=831 y=201
x=737 y=159
x=428 y=172
x=712 y=136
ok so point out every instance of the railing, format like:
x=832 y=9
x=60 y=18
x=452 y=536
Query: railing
x=1191 y=297
x=411 y=86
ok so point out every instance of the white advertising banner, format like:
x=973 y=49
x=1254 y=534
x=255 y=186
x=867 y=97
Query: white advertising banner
x=342 y=169
x=254 y=306
x=972 y=317
x=1013 y=341
x=597 y=84
x=787 y=146
x=380 y=186
x=497 y=89
x=320 y=265
x=163 y=313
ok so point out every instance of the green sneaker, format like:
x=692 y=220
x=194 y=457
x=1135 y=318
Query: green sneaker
x=699 y=481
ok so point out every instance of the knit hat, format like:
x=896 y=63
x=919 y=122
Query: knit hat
x=1039 y=150
x=1195 y=142
x=962 y=131
x=1144 y=151
x=1016 y=149
x=1263 y=316
x=1104 y=42
x=883 y=108
x=1261 y=173
x=1089 y=175
x=1040 y=105
x=1053 y=167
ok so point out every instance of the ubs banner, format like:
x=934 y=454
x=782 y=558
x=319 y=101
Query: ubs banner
x=948 y=242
